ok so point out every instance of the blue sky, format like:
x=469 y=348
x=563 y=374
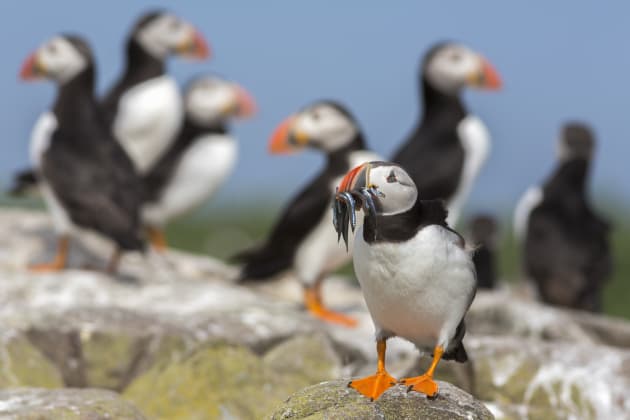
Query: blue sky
x=559 y=60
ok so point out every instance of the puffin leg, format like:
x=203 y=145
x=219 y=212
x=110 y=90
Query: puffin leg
x=373 y=386
x=425 y=383
x=314 y=304
x=59 y=262
x=112 y=265
x=157 y=239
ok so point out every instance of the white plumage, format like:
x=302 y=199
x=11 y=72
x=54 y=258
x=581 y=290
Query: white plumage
x=420 y=289
x=475 y=139
x=528 y=201
x=149 y=116
x=203 y=168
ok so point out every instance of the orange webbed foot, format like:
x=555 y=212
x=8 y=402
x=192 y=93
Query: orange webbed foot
x=373 y=386
x=334 y=317
x=423 y=384
x=49 y=267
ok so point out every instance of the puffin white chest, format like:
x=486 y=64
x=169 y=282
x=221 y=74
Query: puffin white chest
x=475 y=139
x=148 y=118
x=320 y=252
x=419 y=289
x=202 y=169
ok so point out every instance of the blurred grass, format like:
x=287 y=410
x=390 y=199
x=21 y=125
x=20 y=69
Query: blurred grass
x=221 y=232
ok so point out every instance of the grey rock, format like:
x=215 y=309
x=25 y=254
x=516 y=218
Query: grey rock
x=66 y=404
x=334 y=400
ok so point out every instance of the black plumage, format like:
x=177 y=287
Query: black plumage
x=567 y=250
x=86 y=168
x=483 y=235
x=23 y=181
x=433 y=155
x=299 y=217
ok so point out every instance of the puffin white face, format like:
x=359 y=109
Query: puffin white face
x=390 y=186
x=58 y=59
x=167 y=34
x=452 y=66
x=322 y=126
x=576 y=142
x=209 y=100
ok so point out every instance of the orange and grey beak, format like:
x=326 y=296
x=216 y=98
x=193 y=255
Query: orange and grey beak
x=245 y=104
x=32 y=69
x=486 y=77
x=195 y=47
x=286 y=139
x=356 y=179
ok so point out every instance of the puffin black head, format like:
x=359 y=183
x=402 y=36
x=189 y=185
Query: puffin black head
x=210 y=100
x=576 y=142
x=162 y=33
x=324 y=125
x=378 y=188
x=484 y=230
x=60 y=59
x=449 y=67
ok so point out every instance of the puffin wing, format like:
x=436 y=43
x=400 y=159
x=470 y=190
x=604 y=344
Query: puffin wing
x=299 y=217
x=99 y=190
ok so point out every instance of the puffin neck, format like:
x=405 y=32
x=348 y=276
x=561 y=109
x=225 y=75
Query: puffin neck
x=339 y=157
x=76 y=96
x=438 y=106
x=192 y=129
x=141 y=65
x=404 y=226
x=570 y=177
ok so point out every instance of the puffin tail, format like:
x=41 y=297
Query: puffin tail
x=457 y=352
x=259 y=264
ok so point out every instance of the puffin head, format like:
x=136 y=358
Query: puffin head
x=449 y=67
x=576 y=142
x=162 y=34
x=209 y=100
x=59 y=59
x=324 y=125
x=377 y=188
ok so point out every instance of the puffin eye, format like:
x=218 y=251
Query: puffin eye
x=52 y=48
x=455 y=56
x=316 y=115
x=174 y=24
x=391 y=177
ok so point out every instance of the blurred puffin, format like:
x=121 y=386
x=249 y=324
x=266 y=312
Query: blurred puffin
x=144 y=106
x=566 y=246
x=301 y=238
x=484 y=237
x=445 y=152
x=200 y=159
x=417 y=276
x=84 y=175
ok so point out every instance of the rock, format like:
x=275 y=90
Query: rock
x=231 y=381
x=22 y=365
x=334 y=400
x=66 y=404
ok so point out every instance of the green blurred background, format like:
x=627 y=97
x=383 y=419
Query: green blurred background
x=221 y=231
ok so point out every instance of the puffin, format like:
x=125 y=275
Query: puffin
x=449 y=146
x=144 y=106
x=301 y=239
x=484 y=231
x=86 y=178
x=200 y=159
x=416 y=273
x=24 y=183
x=565 y=244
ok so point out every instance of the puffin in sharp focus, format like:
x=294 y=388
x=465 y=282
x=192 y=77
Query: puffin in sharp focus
x=484 y=232
x=565 y=243
x=144 y=106
x=417 y=276
x=301 y=239
x=84 y=175
x=201 y=157
x=448 y=147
